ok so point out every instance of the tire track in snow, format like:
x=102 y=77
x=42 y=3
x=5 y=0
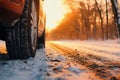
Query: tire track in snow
x=104 y=68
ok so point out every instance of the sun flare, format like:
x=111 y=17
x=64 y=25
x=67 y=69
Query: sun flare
x=55 y=12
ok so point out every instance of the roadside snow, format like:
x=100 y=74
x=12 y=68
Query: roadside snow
x=30 y=69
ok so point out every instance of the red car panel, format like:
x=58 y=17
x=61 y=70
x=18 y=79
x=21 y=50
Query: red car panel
x=15 y=6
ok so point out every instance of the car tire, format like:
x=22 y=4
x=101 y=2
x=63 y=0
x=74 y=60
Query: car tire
x=22 y=38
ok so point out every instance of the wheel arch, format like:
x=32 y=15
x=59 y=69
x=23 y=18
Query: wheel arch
x=37 y=3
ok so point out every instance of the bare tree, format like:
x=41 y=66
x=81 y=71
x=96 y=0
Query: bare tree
x=101 y=18
x=116 y=10
x=107 y=26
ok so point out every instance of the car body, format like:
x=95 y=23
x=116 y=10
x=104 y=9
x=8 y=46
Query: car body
x=14 y=12
x=10 y=11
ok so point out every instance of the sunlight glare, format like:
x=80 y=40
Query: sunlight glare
x=55 y=12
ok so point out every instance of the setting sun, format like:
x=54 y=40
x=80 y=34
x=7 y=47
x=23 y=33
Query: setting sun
x=55 y=12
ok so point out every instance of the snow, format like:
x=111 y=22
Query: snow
x=50 y=64
x=109 y=48
x=63 y=68
x=75 y=70
x=30 y=69
x=101 y=57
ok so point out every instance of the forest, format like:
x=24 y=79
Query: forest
x=89 y=20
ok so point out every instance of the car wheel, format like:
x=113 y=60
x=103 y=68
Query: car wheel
x=22 y=38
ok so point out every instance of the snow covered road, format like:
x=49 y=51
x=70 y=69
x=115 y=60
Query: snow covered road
x=30 y=69
x=101 y=57
x=108 y=49
x=66 y=60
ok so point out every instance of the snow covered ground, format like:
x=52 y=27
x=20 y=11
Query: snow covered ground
x=30 y=69
x=101 y=57
x=61 y=67
x=109 y=48
x=66 y=60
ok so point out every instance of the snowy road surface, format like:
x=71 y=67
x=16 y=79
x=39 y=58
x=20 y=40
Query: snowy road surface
x=100 y=57
x=67 y=60
x=30 y=69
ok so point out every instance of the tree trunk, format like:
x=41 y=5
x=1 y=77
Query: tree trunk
x=116 y=12
x=101 y=18
x=107 y=27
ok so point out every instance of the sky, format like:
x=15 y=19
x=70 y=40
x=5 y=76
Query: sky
x=55 y=12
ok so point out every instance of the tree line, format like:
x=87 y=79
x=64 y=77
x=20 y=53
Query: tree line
x=89 y=20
